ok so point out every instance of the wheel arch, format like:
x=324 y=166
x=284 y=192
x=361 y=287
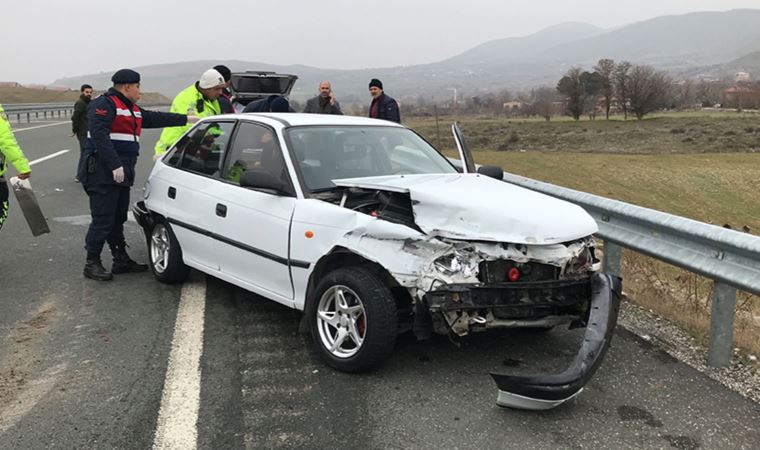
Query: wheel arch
x=341 y=256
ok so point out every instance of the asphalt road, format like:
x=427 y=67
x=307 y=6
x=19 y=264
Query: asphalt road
x=84 y=364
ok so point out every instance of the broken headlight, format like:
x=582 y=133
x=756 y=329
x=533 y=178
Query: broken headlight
x=456 y=264
x=585 y=261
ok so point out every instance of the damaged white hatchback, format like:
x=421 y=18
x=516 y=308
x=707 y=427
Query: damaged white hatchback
x=372 y=232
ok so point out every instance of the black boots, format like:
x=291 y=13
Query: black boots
x=94 y=269
x=122 y=263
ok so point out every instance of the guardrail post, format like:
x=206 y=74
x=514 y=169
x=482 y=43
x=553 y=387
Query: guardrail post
x=28 y=118
x=721 y=325
x=611 y=261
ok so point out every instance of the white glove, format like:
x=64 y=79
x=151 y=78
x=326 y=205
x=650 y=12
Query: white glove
x=192 y=118
x=118 y=175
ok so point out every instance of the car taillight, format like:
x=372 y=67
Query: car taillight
x=513 y=274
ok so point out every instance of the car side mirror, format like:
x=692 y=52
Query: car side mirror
x=261 y=179
x=492 y=171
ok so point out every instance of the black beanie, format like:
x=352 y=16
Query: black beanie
x=279 y=104
x=377 y=83
x=224 y=71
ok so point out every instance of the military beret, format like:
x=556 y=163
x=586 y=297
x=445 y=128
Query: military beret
x=125 y=76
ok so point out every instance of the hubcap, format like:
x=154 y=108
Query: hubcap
x=341 y=321
x=159 y=248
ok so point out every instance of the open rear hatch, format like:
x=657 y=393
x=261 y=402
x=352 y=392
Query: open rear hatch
x=253 y=85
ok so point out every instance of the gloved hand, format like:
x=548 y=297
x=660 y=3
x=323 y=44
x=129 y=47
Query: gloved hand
x=118 y=175
x=192 y=118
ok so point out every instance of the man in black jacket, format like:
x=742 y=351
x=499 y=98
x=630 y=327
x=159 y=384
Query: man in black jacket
x=107 y=168
x=273 y=103
x=79 y=118
x=225 y=100
x=383 y=106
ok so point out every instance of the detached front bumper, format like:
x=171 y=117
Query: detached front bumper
x=143 y=217
x=547 y=391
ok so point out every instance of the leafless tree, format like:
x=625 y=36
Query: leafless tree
x=620 y=81
x=685 y=95
x=709 y=92
x=648 y=90
x=543 y=102
x=606 y=68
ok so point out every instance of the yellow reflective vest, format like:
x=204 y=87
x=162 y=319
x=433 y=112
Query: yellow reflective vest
x=10 y=152
x=187 y=101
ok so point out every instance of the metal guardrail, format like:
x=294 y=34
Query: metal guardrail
x=29 y=109
x=730 y=258
x=60 y=109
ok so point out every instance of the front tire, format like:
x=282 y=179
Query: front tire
x=166 y=255
x=352 y=317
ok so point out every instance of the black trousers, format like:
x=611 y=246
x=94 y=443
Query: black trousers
x=82 y=138
x=3 y=201
x=109 y=205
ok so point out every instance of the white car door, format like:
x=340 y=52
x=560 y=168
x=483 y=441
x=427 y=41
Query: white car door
x=253 y=224
x=185 y=190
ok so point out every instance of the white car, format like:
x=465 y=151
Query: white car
x=371 y=232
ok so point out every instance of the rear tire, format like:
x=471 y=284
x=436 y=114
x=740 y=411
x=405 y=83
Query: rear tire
x=165 y=255
x=352 y=319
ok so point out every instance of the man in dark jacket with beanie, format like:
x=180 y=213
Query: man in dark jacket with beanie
x=107 y=168
x=383 y=106
x=273 y=103
x=225 y=100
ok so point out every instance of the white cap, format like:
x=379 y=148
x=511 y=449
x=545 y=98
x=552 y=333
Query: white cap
x=210 y=79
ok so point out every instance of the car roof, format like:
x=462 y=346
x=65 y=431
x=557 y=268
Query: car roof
x=302 y=119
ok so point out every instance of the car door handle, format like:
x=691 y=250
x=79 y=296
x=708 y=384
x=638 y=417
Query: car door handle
x=221 y=210
x=172 y=192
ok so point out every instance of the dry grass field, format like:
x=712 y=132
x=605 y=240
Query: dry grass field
x=701 y=166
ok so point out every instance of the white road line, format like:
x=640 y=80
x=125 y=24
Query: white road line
x=40 y=126
x=178 y=416
x=51 y=156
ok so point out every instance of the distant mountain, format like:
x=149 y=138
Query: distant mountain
x=524 y=49
x=676 y=43
x=748 y=63
x=670 y=41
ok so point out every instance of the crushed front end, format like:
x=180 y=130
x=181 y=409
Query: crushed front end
x=466 y=271
x=521 y=286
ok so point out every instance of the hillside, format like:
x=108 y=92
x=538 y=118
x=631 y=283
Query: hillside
x=670 y=41
x=523 y=49
x=747 y=63
x=676 y=43
x=10 y=95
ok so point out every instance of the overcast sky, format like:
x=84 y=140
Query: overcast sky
x=46 y=40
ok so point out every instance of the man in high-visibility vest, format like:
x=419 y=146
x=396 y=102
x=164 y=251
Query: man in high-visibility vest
x=200 y=99
x=10 y=152
x=107 y=168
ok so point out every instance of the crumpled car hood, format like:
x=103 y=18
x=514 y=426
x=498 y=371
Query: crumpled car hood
x=476 y=207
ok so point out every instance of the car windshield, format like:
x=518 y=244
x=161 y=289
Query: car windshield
x=326 y=153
